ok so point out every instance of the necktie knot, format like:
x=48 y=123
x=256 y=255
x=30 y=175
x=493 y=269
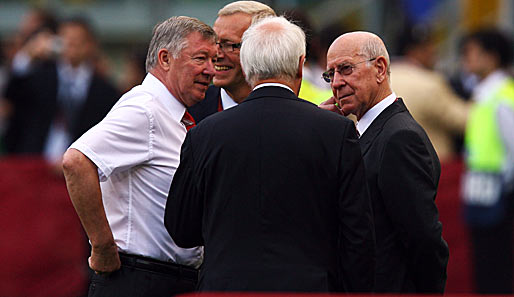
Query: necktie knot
x=188 y=121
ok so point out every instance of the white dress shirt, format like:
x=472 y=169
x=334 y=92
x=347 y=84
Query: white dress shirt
x=272 y=85
x=227 y=101
x=368 y=118
x=137 y=150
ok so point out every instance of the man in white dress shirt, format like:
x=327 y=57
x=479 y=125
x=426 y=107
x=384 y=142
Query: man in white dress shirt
x=119 y=172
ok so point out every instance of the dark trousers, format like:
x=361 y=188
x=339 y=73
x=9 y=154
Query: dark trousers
x=492 y=255
x=141 y=277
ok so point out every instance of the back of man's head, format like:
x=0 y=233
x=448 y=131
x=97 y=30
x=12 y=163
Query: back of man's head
x=272 y=49
x=172 y=35
x=256 y=9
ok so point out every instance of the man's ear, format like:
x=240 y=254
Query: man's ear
x=164 y=59
x=381 y=65
x=301 y=63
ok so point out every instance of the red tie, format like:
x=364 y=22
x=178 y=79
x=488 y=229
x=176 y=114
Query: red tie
x=220 y=106
x=188 y=121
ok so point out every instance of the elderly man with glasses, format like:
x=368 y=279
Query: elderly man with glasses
x=230 y=87
x=402 y=167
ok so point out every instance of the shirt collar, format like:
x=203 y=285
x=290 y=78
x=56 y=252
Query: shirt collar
x=272 y=85
x=485 y=88
x=157 y=88
x=373 y=113
x=227 y=101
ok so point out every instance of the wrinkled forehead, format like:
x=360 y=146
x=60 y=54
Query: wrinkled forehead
x=343 y=51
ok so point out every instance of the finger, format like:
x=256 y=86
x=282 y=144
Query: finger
x=329 y=101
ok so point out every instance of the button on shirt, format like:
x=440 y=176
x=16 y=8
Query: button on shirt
x=136 y=148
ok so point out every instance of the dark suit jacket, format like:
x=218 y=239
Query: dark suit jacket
x=403 y=173
x=206 y=107
x=275 y=190
x=34 y=98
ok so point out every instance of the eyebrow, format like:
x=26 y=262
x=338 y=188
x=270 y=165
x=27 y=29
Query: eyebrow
x=200 y=52
x=227 y=40
x=340 y=63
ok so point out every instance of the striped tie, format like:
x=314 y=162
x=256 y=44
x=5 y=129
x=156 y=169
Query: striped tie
x=188 y=121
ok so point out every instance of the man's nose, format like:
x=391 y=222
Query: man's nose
x=219 y=52
x=209 y=68
x=337 y=80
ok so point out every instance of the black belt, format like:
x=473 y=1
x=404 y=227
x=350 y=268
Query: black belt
x=179 y=271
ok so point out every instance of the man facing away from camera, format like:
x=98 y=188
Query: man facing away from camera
x=274 y=188
x=402 y=167
x=118 y=173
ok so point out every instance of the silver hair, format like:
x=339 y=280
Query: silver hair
x=375 y=47
x=256 y=9
x=272 y=48
x=172 y=35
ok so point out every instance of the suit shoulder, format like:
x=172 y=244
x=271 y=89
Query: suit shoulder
x=403 y=129
x=331 y=116
x=401 y=121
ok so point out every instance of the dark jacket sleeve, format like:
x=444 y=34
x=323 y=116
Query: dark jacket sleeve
x=356 y=231
x=408 y=181
x=184 y=207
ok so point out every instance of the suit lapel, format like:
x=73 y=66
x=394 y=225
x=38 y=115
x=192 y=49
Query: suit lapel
x=378 y=124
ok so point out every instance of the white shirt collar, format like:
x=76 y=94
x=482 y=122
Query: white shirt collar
x=272 y=85
x=373 y=113
x=175 y=107
x=484 y=88
x=227 y=101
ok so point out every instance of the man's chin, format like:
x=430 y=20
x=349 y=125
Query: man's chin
x=221 y=83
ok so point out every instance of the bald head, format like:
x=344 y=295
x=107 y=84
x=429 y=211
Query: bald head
x=360 y=43
x=358 y=68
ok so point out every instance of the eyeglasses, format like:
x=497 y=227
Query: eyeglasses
x=229 y=47
x=343 y=69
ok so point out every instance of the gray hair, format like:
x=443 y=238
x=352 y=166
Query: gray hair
x=375 y=47
x=272 y=48
x=256 y=9
x=172 y=35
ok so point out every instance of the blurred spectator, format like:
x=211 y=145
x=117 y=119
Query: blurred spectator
x=55 y=91
x=426 y=93
x=488 y=184
x=134 y=69
x=34 y=21
x=313 y=88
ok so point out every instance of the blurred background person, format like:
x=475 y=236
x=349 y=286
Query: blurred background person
x=488 y=189
x=57 y=93
x=426 y=93
x=32 y=22
x=134 y=70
